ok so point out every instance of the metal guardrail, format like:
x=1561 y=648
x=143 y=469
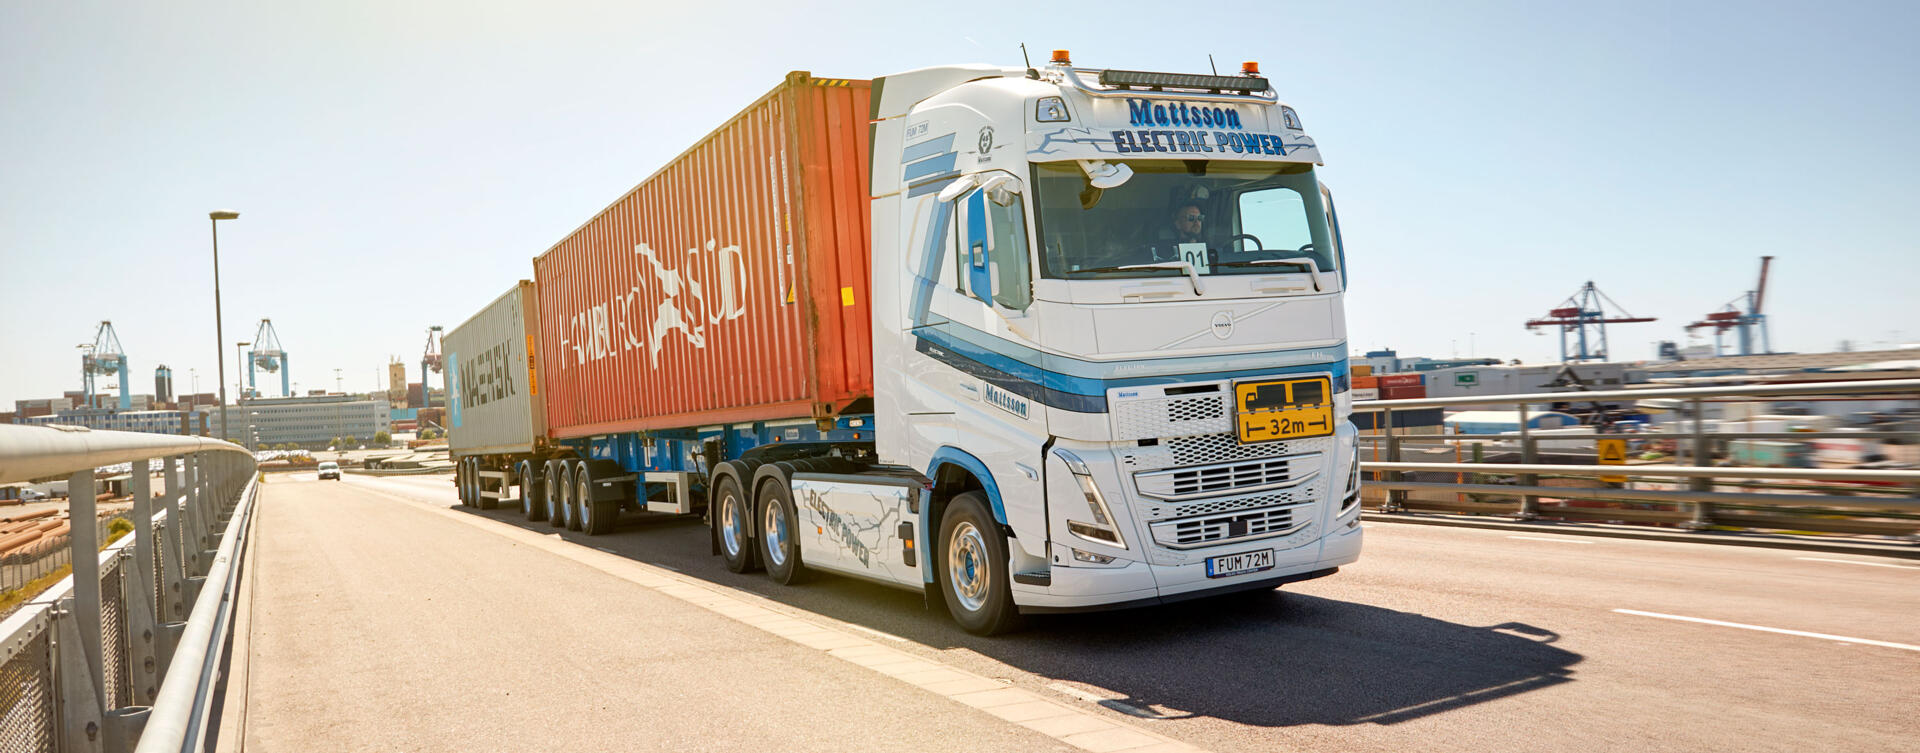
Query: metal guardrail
x=1837 y=504
x=112 y=657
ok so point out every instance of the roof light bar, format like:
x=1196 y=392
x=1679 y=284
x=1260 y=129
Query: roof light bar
x=1145 y=79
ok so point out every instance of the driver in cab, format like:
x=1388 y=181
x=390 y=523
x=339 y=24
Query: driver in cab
x=1186 y=224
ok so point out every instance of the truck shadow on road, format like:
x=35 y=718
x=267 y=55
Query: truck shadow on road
x=1267 y=658
x=1280 y=659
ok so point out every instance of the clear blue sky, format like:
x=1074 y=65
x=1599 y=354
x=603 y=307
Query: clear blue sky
x=397 y=164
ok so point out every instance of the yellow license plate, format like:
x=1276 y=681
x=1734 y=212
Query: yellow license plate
x=1283 y=409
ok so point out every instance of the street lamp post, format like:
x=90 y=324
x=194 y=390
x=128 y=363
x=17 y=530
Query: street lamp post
x=219 y=335
x=239 y=367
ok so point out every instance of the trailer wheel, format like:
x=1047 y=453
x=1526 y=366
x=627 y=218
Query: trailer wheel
x=533 y=499
x=596 y=516
x=972 y=567
x=780 y=535
x=460 y=481
x=570 y=498
x=556 y=493
x=732 y=520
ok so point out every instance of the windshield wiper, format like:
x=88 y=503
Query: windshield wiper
x=1193 y=275
x=1313 y=269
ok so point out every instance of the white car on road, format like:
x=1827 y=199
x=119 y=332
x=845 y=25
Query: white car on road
x=330 y=469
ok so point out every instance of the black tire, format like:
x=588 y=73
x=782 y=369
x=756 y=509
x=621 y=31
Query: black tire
x=557 y=493
x=970 y=539
x=480 y=499
x=596 y=516
x=466 y=482
x=781 y=553
x=570 y=499
x=533 y=498
x=733 y=525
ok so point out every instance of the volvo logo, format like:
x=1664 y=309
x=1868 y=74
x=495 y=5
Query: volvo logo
x=1223 y=325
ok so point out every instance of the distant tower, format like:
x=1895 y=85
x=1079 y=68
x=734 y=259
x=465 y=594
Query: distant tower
x=163 y=384
x=397 y=383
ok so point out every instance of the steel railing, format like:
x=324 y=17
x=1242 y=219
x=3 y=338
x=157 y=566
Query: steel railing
x=1827 y=500
x=125 y=651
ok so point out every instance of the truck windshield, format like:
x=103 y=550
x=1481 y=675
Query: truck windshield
x=1220 y=217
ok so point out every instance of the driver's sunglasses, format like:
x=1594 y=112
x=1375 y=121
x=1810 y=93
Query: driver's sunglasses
x=1192 y=217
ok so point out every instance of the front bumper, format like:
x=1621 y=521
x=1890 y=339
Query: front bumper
x=1086 y=589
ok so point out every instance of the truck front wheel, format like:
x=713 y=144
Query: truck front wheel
x=732 y=518
x=973 y=567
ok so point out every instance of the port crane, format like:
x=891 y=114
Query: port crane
x=1584 y=315
x=1745 y=323
x=431 y=363
x=268 y=356
x=104 y=358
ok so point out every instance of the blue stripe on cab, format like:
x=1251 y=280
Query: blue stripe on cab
x=928 y=148
x=930 y=166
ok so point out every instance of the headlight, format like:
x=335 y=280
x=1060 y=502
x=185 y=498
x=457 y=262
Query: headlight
x=1102 y=529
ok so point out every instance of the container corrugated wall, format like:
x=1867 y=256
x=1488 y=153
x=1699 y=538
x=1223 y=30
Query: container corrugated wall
x=730 y=286
x=493 y=405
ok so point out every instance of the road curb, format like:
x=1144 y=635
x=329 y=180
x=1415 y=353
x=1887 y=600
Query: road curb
x=1722 y=538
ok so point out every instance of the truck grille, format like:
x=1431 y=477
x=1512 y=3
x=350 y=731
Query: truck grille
x=1171 y=416
x=1208 y=530
x=1227 y=478
x=1157 y=511
x=1206 y=449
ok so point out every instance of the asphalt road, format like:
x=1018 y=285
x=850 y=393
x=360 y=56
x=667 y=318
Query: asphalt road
x=1438 y=639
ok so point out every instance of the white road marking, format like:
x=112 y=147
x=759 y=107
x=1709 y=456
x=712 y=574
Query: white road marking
x=1557 y=541
x=1858 y=562
x=1764 y=629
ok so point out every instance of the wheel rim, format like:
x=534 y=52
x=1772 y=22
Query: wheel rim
x=776 y=534
x=582 y=494
x=526 y=486
x=731 y=521
x=554 y=491
x=968 y=570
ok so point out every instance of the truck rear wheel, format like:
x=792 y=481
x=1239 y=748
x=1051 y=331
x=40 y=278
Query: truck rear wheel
x=972 y=567
x=556 y=493
x=533 y=499
x=779 y=534
x=596 y=517
x=732 y=519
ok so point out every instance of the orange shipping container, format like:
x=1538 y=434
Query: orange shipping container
x=730 y=286
x=1366 y=382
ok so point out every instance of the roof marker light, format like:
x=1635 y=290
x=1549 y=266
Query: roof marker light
x=1060 y=57
x=1250 y=68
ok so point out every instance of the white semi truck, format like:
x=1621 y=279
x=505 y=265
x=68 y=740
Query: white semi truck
x=1069 y=339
